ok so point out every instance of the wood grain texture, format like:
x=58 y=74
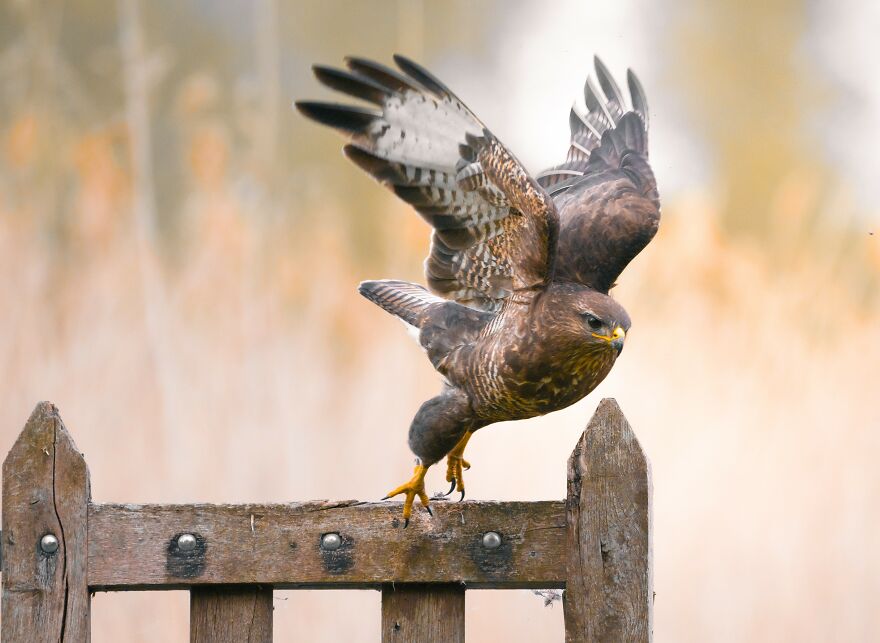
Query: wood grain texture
x=423 y=613
x=134 y=546
x=231 y=614
x=608 y=595
x=45 y=491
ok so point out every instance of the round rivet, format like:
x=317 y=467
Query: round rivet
x=491 y=540
x=331 y=542
x=186 y=542
x=49 y=544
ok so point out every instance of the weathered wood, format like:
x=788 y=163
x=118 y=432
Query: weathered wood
x=231 y=614
x=133 y=546
x=597 y=545
x=423 y=613
x=45 y=491
x=608 y=595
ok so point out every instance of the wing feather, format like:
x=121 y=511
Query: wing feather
x=348 y=83
x=495 y=227
x=607 y=111
x=614 y=97
x=605 y=190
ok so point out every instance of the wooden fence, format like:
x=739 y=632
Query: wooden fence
x=58 y=547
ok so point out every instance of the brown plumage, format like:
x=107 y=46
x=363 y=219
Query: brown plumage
x=518 y=318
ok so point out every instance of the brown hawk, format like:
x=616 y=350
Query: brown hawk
x=516 y=316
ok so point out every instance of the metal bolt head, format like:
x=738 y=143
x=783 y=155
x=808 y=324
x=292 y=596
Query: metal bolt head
x=491 y=540
x=186 y=542
x=49 y=544
x=331 y=542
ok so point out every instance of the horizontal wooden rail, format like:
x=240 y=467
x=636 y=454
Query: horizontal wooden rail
x=133 y=547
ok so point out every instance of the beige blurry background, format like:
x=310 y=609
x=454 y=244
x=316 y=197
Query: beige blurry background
x=179 y=252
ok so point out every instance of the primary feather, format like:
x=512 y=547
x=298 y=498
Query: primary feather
x=607 y=112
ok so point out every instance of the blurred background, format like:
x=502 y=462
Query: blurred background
x=179 y=252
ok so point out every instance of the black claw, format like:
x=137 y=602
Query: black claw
x=451 y=489
x=462 y=496
x=467 y=468
x=430 y=513
x=384 y=498
x=405 y=523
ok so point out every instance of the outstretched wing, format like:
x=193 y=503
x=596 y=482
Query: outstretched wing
x=605 y=190
x=494 y=226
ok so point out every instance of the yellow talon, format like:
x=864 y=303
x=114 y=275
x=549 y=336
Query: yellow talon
x=415 y=487
x=455 y=464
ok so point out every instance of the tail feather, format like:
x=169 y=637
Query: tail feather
x=406 y=300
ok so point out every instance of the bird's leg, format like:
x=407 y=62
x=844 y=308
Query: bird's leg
x=437 y=430
x=415 y=487
x=455 y=464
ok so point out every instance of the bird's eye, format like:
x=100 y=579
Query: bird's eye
x=592 y=321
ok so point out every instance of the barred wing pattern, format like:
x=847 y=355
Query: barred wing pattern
x=605 y=191
x=607 y=112
x=495 y=227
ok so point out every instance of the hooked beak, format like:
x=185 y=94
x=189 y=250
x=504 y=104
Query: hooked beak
x=615 y=339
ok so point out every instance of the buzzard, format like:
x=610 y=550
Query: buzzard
x=517 y=316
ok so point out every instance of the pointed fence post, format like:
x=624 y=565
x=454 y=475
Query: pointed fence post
x=45 y=513
x=608 y=592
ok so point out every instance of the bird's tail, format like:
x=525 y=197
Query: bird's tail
x=406 y=300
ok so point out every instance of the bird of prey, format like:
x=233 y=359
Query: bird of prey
x=517 y=316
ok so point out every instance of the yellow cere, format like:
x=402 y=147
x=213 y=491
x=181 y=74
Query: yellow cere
x=618 y=333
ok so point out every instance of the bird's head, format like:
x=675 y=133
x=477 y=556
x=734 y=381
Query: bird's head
x=590 y=319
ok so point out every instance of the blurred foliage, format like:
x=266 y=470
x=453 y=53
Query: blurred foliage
x=220 y=84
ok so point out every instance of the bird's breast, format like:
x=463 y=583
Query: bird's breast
x=516 y=380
